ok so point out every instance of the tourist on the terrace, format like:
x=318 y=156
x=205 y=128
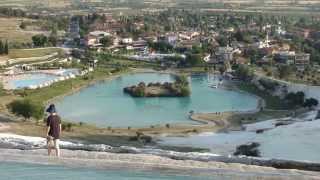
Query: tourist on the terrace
x=53 y=130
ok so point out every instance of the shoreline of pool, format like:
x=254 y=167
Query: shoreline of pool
x=204 y=126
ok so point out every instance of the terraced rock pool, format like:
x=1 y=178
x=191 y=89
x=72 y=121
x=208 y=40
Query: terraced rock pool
x=105 y=104
x=21 y=171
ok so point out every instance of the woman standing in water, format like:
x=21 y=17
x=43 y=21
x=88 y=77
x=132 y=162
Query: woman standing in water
x=53 y=130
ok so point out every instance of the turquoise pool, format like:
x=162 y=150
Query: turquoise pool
x=31 y=80
x=105 y=104
x=36 y=78
x=17 y=171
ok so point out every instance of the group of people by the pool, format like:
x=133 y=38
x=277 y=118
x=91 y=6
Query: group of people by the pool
x=53 y=130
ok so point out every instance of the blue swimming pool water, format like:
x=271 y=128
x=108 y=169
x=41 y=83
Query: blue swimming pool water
x=32 y=79
x=17 y=171
x=105 y=104
x=37 y=78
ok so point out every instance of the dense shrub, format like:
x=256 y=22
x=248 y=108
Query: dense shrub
x=248 y=150
x=26 y=109
x=311 y=102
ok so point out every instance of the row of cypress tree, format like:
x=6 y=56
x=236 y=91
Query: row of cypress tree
x=4 y=47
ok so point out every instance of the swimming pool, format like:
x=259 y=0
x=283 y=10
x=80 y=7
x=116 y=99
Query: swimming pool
x=35 y=79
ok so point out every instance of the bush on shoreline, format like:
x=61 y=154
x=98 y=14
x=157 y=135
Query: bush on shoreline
x=248 y=150
x=27 y=109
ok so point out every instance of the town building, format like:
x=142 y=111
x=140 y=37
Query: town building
x=280 y=30
x=170 y=38
x=127 y=40
x=222 y=55
x=94 y=37
x=264 y=44
x=302 y=59
x=285 y=57
x=188 y=35
x=291 y=57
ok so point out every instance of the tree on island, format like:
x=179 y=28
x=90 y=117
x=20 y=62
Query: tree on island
x=181 y=79
x=180 y=88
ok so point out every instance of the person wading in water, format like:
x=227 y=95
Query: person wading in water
x=53 y=130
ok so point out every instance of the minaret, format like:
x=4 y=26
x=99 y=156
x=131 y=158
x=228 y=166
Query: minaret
x=267 y=40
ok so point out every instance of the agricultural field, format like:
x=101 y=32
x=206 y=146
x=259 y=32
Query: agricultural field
x=29 y=55
x=10 y=30
x=35 y=3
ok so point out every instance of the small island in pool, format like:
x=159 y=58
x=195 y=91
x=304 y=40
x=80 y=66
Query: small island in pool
x=179 y=88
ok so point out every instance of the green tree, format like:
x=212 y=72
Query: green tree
x=196 y=49
x=182 y=80
x=23 y=25
x=6 y=48
x=194 y=59
x=244 y=72
x=53 y=39
x=284 y=71
x=106 y=41
x=1 y=48
x=239 y=36
x=311 y=102
x=295 y=99
x=39 y=40
x=26 y=109
x=185 y=91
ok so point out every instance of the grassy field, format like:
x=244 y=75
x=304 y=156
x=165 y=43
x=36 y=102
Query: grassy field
x=10 y=30
x=28 y=53
x=35 y=3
